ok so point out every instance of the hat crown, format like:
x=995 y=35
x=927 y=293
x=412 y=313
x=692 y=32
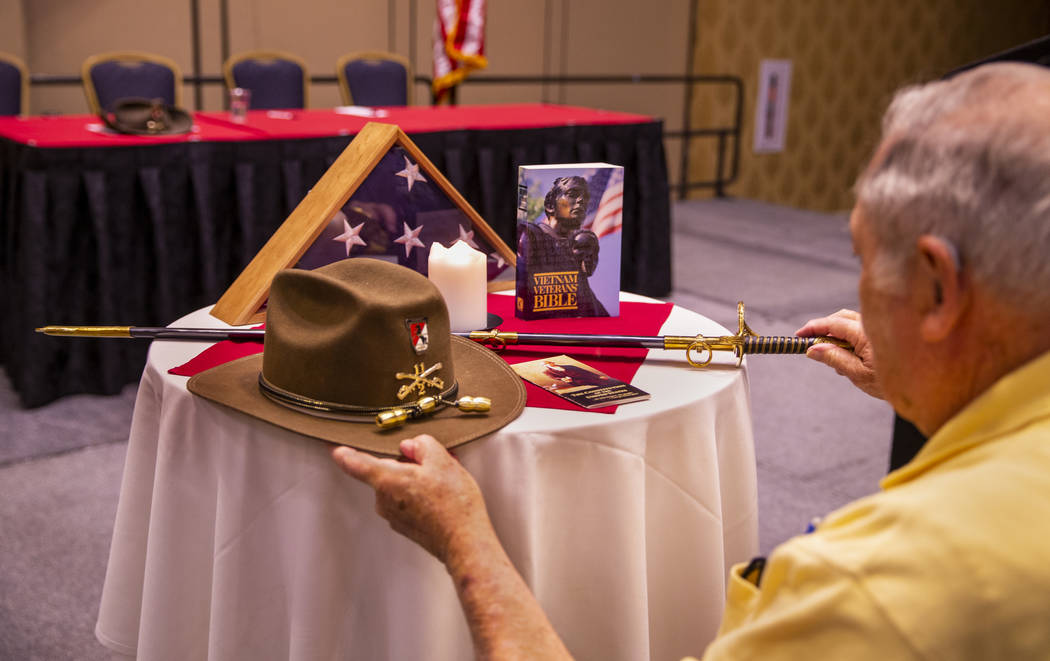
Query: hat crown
x=343 y=334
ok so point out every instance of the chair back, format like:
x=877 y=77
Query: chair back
x=374 y=78
x=111 y=76
x=14 y=86
x=276 y=79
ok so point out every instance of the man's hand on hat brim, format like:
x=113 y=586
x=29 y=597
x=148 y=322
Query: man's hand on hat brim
x=426 y=496
x=431 y=499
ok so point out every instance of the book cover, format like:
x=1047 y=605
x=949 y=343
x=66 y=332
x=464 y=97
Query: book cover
x=569 y=227
x=579 y=383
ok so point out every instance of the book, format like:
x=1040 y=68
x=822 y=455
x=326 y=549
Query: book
x=570 y=218
x=579 y=383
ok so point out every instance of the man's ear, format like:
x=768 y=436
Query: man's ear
x=943 y=293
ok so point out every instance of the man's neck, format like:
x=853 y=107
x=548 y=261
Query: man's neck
x=995 y=344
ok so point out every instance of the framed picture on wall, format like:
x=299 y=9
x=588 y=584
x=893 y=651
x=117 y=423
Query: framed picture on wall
x=771 y=107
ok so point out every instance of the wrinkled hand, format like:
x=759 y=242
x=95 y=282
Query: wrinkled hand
x=429 y=498
x=856 y=365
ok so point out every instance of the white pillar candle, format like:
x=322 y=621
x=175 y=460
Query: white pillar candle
x=460 y=275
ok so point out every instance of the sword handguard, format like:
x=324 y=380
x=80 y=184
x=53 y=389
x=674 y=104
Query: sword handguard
x=745 y=341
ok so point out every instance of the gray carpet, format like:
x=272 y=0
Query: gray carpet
x=819 y=443
x=56 y=519
x=67 y=424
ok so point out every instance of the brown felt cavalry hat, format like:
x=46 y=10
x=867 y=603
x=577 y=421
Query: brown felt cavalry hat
x=137 y=116
x=362 y=340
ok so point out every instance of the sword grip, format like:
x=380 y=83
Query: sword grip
x=777 y=344
x=787 y=344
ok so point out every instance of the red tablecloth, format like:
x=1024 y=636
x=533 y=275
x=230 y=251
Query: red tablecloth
x=87 y=131
x=635 y=319
x=421 y=119
x=63 y=131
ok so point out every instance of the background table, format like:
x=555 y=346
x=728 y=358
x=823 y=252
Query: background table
x=100 y=228
x=235 y=539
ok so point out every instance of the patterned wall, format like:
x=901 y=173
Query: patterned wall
x=848 y=56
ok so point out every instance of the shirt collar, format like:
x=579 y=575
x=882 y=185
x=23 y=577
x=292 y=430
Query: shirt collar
x=1012 y=402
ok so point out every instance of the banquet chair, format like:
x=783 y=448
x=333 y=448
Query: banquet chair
x=111 y=76
x=14 y=86
x=374 y=78
x=276 y=79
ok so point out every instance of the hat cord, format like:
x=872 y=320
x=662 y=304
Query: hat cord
x=312 y=405
x=428 y=405
x=385 y=417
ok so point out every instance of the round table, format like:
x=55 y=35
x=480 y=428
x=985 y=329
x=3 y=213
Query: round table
x=235 y=539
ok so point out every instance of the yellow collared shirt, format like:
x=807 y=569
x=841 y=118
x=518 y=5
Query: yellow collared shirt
x=951 y=560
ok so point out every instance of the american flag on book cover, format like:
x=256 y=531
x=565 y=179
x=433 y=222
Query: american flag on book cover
x=459 y=42
x=607 y=195
x=395 y=215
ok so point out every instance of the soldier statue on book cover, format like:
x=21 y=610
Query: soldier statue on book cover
x=556 y=244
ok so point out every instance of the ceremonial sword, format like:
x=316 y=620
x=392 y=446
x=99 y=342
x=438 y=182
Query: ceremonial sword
x=699 y=349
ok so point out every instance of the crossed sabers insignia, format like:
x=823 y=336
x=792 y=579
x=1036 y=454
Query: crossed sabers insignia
x=420 y=380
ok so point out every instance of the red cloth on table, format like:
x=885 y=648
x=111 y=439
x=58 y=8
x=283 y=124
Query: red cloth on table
x=218 y=354
x=66 y=131
x=316 y=123
x=635 y=319
x=619 y=363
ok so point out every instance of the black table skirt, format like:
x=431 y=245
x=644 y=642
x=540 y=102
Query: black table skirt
x=144 y=235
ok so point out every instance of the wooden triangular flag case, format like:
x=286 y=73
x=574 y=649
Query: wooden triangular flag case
x=381 y=198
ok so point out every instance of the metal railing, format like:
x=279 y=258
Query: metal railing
x=687 y=134
x=723 y=134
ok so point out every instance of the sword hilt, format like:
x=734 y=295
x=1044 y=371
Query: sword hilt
x=699 y=351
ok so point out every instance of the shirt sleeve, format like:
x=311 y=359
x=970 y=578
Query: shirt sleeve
x=807 y=608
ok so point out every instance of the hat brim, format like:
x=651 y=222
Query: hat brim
x=479 y=371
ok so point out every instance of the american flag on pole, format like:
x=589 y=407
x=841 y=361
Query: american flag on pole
x=459 y=42
x=609 y=216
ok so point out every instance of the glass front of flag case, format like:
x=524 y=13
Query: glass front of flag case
x=395 y=215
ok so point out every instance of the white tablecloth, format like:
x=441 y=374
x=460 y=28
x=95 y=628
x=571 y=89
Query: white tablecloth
x=235 y=539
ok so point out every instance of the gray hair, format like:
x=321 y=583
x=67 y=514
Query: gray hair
x=967 y=159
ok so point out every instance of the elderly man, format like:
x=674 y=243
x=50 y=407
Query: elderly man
x=950 y=559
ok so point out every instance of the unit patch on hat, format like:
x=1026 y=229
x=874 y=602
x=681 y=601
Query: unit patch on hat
x=417 y=329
